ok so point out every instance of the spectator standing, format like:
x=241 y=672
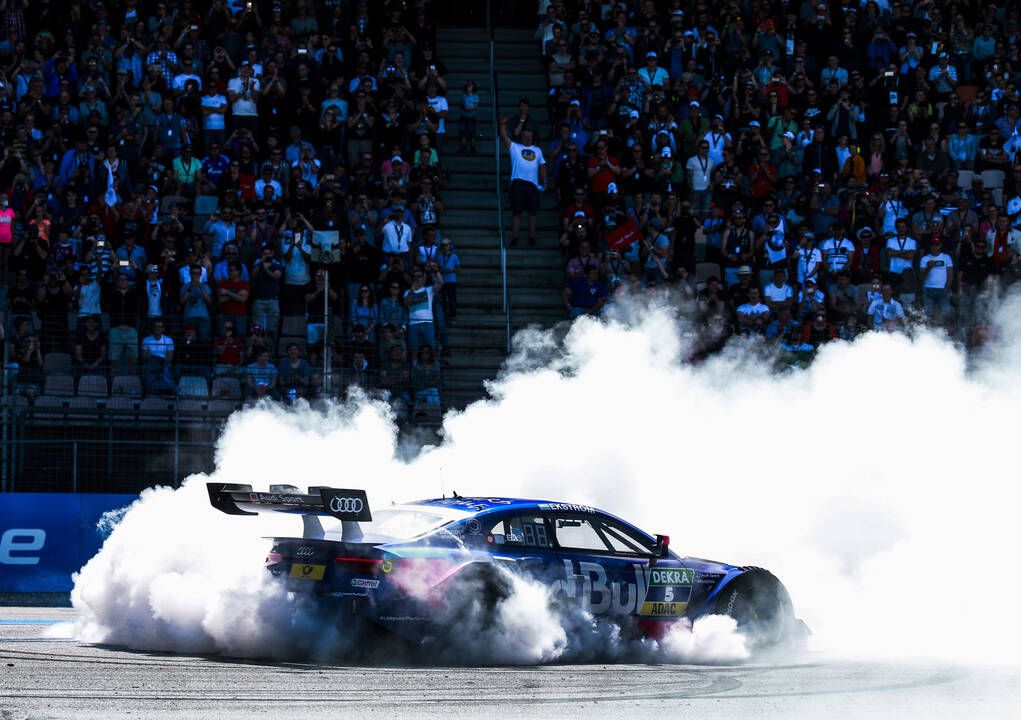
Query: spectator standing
x=228 y=351
x=196 y=302
x=449 y=266
x=266 y=274
x=90 y=348
x=937 y=274
x=528 y=178
x=419 y=301
x=123 y=303
x=469 y=108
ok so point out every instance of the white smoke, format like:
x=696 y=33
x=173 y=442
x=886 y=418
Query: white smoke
x=877 y=485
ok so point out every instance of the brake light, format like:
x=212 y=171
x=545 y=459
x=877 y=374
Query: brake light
x=274 y=558
x=363 y=565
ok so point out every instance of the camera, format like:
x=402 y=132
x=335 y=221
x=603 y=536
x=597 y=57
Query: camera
x=123 y=263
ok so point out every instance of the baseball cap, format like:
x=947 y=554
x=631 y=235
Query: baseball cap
x=744 y=270
x=1014 y=206
x=611 y=188
x=634 y=114
x=694 y=103
x=650 y=54
x=755 y=123
x=665 y=152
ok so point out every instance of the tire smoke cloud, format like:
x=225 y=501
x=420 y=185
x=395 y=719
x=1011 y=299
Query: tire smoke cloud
x=877 y=485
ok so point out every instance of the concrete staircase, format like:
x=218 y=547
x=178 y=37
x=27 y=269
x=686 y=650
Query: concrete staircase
x=479 y=337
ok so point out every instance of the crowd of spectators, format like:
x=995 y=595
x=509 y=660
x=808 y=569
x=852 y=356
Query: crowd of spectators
x=805 y=170
x=180 y=177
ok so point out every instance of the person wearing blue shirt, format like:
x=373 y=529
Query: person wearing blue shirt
x=587 y=295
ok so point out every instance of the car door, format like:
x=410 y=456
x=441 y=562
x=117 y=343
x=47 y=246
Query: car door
x=610 y=568
x=604 y=574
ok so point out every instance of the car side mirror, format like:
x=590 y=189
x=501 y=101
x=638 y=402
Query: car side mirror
x=662 y=546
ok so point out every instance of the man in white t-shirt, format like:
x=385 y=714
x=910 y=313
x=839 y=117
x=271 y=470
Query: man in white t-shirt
x=699 y=170
x=528 y=179
x=809 y=259
x=419 y=302
x=753 y=316
x=158 y=345
x=837 y=250
x=886 y=311
x=397 y=236
x=778 y=293
x=214 y=112
x=243 y=94
x=937 y=274
x=901 y=249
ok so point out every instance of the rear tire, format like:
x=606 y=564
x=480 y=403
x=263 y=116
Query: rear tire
x=761 y=606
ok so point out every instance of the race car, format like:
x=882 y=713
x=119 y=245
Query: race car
x=408 y=569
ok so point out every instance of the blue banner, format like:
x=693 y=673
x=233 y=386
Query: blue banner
x=44 y=537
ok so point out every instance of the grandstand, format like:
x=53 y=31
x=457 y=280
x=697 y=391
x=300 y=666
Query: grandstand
x=211 y=204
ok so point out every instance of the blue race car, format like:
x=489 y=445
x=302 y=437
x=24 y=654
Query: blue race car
x=409 y=568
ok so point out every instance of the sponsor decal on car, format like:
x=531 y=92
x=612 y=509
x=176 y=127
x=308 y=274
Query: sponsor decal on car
x=307 y=571
x=566 y=507
x=364 y=583
x=663 y=609
x=590 y=584
x=678 y=577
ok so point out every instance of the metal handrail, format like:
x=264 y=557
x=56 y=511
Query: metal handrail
x=498 y=152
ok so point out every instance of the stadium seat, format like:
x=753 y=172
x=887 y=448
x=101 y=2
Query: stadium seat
x=121 y=406
x=92 y=386
x=206 y=204
x=192 y=386
x=127 y=386
x=294 y=325
x=46 y=401
x=190 y=406
x=83 y=403
x=57 y=362
x=992 y=179
x=59 y=385
x=154 y=403
x=226 y=387
x=221 y=407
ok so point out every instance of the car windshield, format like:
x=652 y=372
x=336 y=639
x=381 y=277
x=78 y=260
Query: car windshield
x=401 y=522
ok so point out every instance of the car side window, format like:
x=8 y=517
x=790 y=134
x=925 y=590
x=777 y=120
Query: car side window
x=579 y=534
x=624 y=540
x=521 y=530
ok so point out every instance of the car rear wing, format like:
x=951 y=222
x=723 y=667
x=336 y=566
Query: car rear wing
x=346 y=505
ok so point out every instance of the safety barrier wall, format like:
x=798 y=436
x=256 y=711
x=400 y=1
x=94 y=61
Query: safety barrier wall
x=45 y=537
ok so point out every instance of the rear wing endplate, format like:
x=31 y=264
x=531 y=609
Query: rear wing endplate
x=349 y=505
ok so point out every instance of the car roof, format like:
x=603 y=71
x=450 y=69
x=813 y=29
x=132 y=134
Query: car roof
x=487 y=504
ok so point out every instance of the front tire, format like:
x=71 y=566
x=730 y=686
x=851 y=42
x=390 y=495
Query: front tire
x=761 y=606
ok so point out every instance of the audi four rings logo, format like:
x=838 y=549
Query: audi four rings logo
x=346 y=504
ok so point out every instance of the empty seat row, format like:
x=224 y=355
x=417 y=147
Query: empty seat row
x=127 y=406
x=94 y=386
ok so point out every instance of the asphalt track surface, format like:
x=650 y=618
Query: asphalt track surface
x=44 y=677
